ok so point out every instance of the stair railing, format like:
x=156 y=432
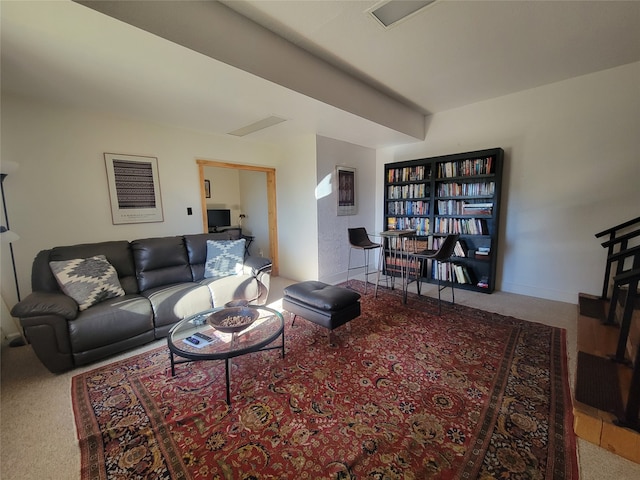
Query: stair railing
x=618 y=241
x=630 y=278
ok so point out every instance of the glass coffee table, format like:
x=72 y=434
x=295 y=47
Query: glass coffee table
x=222 y=333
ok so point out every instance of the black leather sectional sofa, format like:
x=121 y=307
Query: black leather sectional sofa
x=163 y=282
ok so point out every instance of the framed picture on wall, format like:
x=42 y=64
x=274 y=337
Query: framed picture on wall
x=346 y=190
x=134 y=188
x=207 y=188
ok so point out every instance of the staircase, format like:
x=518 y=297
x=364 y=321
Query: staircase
x=606 y=381
x=607 y=393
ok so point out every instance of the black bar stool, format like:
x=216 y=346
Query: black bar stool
x=359 y=240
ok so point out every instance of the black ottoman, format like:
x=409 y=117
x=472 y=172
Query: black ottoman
x=326 y=305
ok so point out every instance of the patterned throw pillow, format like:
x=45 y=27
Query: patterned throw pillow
x=224 y=258
x=87 y=280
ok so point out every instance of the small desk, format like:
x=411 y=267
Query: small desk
x=248 y=241
x=396 y=240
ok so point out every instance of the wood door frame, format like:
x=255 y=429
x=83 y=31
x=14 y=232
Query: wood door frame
x=271 y=202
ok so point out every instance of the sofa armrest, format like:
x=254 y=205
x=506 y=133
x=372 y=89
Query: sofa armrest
x=39 y=304
x=260 y=269
x=44 y=318
x=256 y=265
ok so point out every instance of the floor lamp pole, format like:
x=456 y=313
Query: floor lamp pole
x=22 y=340
x=6 y=218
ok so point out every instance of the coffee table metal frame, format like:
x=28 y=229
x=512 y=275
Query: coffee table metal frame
x=224 y=346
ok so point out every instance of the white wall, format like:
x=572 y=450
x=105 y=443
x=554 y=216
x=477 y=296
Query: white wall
x=297 y=215
x=243 y=192
x=253 y=194
x=225 y=190
x=59 y=195
x=333 y=242
x=571 y=170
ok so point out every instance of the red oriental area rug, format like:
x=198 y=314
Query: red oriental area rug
x=401 y=394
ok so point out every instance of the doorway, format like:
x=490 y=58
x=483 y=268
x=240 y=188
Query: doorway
x=272 y=213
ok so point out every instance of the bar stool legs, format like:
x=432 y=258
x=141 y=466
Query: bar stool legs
x=366 y=270
x=359 y=240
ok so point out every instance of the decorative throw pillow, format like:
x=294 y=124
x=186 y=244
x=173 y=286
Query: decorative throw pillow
x=87 y=280
x=224 y=258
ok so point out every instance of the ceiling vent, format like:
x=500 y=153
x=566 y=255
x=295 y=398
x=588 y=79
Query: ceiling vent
x=390 y=13
x=259 y=125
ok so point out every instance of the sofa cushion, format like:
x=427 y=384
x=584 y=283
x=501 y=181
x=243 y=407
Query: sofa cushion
x=236 y=287
x=224 y=258
x=118 y=254
x=87 y=280
x=111 y=321
x=197 y=249
x=172 y=303
x=160 y=261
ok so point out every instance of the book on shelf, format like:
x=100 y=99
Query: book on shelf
x=477 y=208
x=466 y=168
x=417 y=207
x=460 y=249
x=465 y=226
x=392 y=223
x=460 y=277
x=466 y=189
x=483 y=282
x=408 y=174
x=462 y=274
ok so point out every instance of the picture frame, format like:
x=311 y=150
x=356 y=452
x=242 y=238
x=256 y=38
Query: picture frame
x=207 y=189
x=346 y=180
x=134 y=188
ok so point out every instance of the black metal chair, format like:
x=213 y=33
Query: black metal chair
x=359 y=240
x=440 y=256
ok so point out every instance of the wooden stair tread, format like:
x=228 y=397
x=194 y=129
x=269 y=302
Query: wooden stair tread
x=598 y=426
x=596 y=338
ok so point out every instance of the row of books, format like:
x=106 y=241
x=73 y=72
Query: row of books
x=457 y=273
x=464 y=226
x=413 y=190
x=408 y=174
x=461 y=250
x=417 y=207
x=458 y=207
x=466 y=168
x=407 y=244
x=421 y=225
x=477 y=208
x=466 y=189
x=461 y=274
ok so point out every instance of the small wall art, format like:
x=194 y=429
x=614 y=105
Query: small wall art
x=134 y=188
x=346 y=190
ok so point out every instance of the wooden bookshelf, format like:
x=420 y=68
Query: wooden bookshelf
x=457 y=193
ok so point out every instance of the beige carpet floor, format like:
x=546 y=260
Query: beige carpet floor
x=37 y=431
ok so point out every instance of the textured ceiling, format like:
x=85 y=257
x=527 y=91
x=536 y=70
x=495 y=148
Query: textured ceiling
x=454 y=53
x=451 y=54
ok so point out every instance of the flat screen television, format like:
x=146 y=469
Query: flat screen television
x=217 y=217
